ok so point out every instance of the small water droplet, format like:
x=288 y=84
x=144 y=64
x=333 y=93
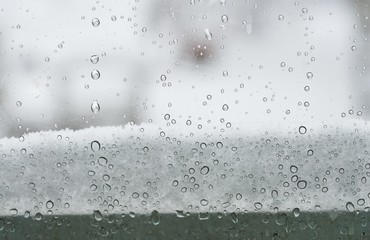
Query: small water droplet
x=95 y=107
x=204 y=202
x=309 y=75
x=95 y=146
x=302 y=130
x=19 y=103
x=102 y=161
x=49 y=204
x=95 y=74
x=95 y=22
x=208 y=34
x=224 y=18
x=204 y=170
x=94 y=59
x=225 y=107
x=258 y=205
x=296 y=212
x=281 y=17
x=350 y=207
x=302 y=184
x=293 y=169
x=97 y=215
x=13 y=211
x=38 y=216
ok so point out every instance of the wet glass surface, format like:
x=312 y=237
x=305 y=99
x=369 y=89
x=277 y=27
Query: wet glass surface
x=187 y=119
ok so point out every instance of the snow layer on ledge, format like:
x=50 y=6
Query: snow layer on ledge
x=141 y=168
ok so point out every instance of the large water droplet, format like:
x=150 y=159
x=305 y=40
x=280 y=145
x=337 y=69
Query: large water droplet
x=155 y=217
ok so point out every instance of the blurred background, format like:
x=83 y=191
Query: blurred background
x=216 y=63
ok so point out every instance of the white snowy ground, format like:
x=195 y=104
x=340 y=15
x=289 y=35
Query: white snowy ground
x=168 y=168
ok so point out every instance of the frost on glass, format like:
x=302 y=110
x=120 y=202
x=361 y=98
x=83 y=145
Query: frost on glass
x=187 y=119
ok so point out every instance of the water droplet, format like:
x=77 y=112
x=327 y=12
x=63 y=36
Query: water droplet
x=274 y=194
x=47 y=59
x=167 y=117
x=223 y=2
x=155 y=217
x=361 y=202
x=302 y=184
x=350 y=207
x=238 y=196
x=94 y=59
x=102 y=161
x=281 y=17
x=135 y=195
x=19 y=103
x=49 y=204
x=38 y=216
x=204 y=202
x=353 y=48
x=95 y=74
x=13 y=211
x=204 y=170
x=144 y=29
x=208 y=34
x=95 y=107
x=224 y=18
x=293 y=169
x=95 y=146
x=219 y=145
x=234 y=217
x=163 y=77
x=225 y=73
x=309 y=75
x=302 y=129
x=97 y=215
x=258 y=205
x=296 y=212
x=95 y=22
x=225 y=107
x=310 y=152
x=304 y=10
